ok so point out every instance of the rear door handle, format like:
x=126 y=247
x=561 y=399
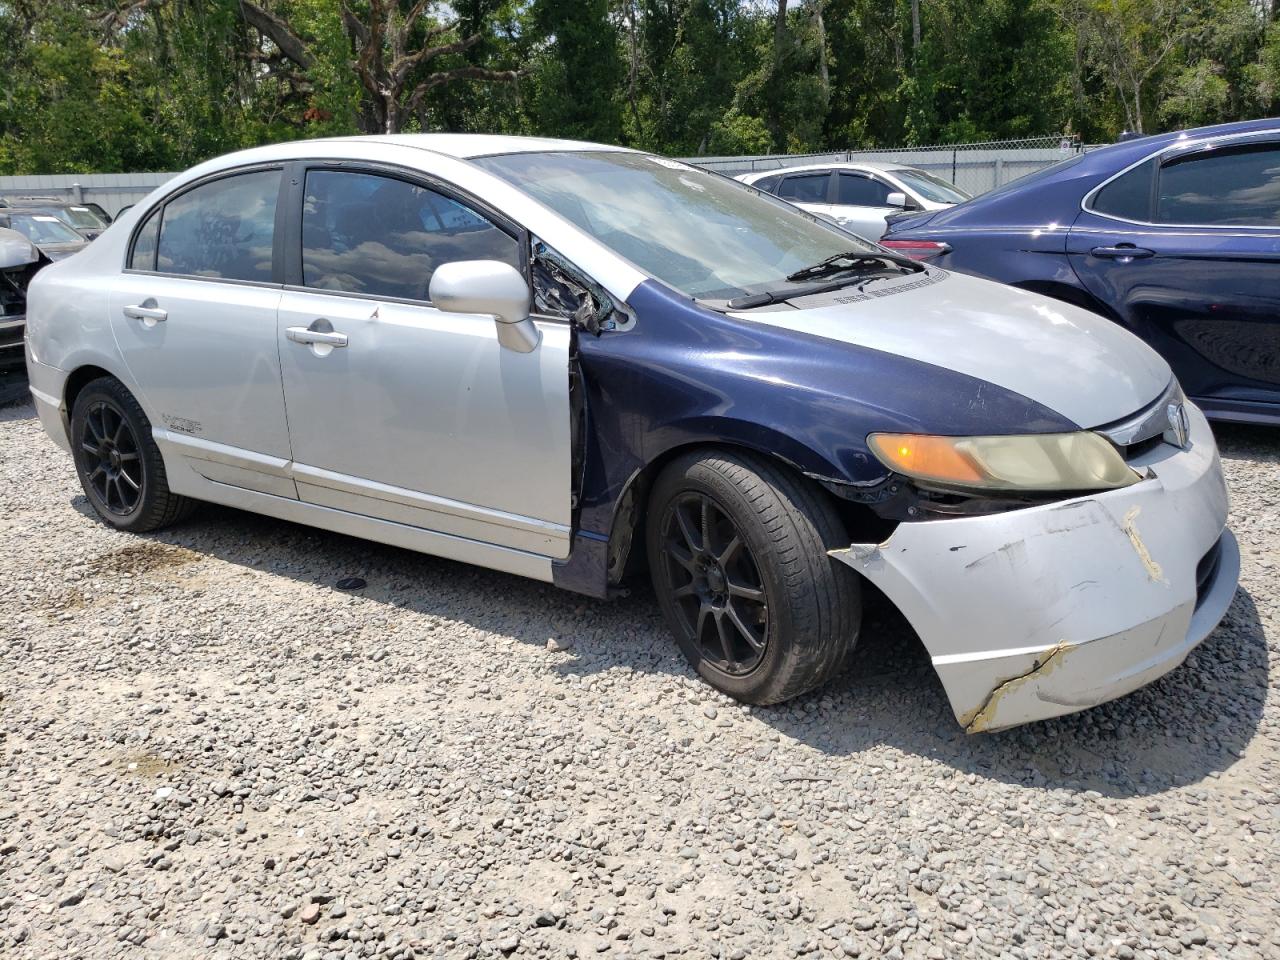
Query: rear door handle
x=306 y=335
x=1122 y=252
x=148 y=311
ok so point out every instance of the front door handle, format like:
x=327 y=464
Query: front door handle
x=307 y=335
x=148 y=311
x=1123 y=252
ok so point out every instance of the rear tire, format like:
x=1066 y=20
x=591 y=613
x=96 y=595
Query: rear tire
x=737 y=551
x=118 y=462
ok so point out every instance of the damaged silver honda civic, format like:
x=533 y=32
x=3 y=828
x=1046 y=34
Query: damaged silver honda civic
x=581 y=363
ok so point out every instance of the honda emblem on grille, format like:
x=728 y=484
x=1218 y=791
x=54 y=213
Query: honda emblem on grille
x=1179 y=424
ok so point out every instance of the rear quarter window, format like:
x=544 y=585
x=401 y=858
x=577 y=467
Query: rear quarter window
x=1129 y=196
x=143 y=254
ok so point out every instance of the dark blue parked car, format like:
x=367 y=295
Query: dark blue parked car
x=1176 y=237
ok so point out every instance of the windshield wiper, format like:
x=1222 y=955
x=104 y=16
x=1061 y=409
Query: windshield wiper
x=850 y=260
x=766 y=297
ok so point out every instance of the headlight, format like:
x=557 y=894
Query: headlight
x=1049 y=461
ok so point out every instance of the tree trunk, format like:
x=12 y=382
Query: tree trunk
x=633 y=69
x=820 y=28
x=915 y=29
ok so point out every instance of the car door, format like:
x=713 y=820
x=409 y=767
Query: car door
x=861 y=202
x=194 y=314
x=404 y=412
x=1185 y=249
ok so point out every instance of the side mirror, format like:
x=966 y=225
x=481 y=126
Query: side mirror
x=896 y=199
x=487 y=287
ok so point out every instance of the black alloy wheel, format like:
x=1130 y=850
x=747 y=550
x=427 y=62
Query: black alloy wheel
x=739 y=553
x=719 y=592
x=119 y=465
x=114 y=459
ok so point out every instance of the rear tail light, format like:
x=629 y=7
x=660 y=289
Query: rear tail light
x=917 y=249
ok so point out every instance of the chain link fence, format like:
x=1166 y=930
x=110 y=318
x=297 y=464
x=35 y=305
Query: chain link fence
x=973 y=167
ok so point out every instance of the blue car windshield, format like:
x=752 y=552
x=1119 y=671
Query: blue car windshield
x=702 y=234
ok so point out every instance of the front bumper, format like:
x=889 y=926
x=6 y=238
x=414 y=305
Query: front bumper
x=1043 y=611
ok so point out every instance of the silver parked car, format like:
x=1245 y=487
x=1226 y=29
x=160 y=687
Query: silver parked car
x=858 y=196
x=576 y=363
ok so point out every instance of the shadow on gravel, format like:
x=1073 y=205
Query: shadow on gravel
x=1193 y=723
x=1248 y=440
x=13 y=386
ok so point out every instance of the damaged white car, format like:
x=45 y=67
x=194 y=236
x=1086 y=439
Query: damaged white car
x=576 y=363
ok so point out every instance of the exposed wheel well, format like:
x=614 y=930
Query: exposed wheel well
x=627 y=550
x=78 y=380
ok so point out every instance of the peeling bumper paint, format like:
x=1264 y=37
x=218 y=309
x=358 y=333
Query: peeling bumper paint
x=1044 y=611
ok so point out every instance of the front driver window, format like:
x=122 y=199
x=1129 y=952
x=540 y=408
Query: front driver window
x=382 y=237
x=855 y=190
x=1230 y=186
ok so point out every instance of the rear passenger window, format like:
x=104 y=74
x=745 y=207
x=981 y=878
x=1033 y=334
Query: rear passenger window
x=223 y=229
x=1228 y=187
x=143 y=254
x=383 y=237
x=805 y=188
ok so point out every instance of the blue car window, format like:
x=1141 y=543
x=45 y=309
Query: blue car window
x=1129 y=197
x=383 y=237
x=1227 y=187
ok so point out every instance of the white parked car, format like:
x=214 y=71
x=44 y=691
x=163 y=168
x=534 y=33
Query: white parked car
x=858 y=196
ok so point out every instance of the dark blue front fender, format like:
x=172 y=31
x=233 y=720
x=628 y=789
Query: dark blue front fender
x=686 y=375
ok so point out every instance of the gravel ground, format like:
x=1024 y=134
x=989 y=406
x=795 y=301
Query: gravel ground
x=206 y=749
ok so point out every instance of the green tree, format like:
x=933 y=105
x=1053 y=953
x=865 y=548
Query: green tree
x=575 y=80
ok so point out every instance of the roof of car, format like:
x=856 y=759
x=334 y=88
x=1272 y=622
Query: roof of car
x=872 y=165
x=466 y=145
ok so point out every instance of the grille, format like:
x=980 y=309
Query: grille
x=1145 y=430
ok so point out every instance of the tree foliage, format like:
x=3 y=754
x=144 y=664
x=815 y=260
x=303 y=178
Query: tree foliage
x=160 y=84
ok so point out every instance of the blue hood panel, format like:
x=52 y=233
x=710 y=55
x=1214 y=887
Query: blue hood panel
x=685 y=375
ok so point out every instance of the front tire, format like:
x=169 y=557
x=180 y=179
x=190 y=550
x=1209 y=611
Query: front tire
x=118 y=462
x=737 y=551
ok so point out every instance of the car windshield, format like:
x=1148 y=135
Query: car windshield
x=84 y=217
x=42 y=228
x=931 y=187
x=702 y=234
